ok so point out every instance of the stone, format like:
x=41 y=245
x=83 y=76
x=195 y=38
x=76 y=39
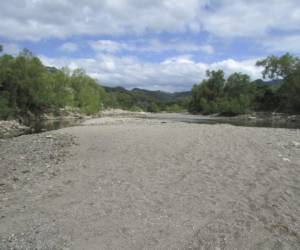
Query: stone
x=11 y=129
x=296 y=144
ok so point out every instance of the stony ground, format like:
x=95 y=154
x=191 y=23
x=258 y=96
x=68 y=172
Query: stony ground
x=120 y=183
x=10 y=129
x=27 y=163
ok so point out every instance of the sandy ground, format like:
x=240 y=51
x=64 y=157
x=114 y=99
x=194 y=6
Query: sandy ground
x=118 y=183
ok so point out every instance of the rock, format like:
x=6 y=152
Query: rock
x=15 y=178
x=49 y=137
x=11 y=129
x=292 y=118
x=296 y=144
x=120 y=113
x=286 y=160
x=251 y=118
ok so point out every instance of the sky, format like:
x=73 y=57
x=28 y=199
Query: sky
x=152 y=44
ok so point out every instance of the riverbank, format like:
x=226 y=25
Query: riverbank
x=68 y=119
x=51 y=121
x=130 y=183
x=11 y=129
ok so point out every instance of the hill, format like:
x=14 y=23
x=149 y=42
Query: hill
x=146 y=99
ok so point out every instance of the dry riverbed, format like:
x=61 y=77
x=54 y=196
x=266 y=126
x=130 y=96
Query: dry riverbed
x=129 y=183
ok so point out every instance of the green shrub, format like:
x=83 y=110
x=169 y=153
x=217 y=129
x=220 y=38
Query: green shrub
x=5 y=110
x=174 y=108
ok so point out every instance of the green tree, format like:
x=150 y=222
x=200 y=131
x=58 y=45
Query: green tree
x=153 y=108
x=27 y=87
x=278 y=67
x=174 y=108
x=62 y=89
x=206 y=94
x=237 y=84
x=213 y=86
x=88 y=95
x=287 y=68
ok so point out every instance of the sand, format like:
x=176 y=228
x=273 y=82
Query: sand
x=129 y=183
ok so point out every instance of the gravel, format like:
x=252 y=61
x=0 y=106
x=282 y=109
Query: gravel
x=26 y=162
x=151 y=184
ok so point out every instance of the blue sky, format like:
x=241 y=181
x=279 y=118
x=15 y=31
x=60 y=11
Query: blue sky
x=157 y=44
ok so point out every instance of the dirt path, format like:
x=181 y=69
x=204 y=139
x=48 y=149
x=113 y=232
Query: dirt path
x=136 y=184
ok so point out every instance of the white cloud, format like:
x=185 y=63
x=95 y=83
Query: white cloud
x=155 y=45
x=34 y=20
x=107 y=46
x=283 y=44
x=245 y=66
x=69 y=47
x=150 y=45
x=208 y=49
x=174 y=74
x=232 y=18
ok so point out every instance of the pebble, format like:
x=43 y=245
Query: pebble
x=296 y=144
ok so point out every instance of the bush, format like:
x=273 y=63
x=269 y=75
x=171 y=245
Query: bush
x=234 y=106
x=5 y=110
x=27 y=86
x=153 y=108
x=136 y=109
x=175 y=108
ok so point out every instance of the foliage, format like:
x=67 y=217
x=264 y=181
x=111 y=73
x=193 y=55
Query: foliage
x=174 y=108
x=27 y=86
x=287 y=68
x=146 y=100
x=5 y=110
x=238 y=95
x=153 y=108
x=278 y=67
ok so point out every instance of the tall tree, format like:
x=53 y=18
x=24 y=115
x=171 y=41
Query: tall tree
x=287 y=68
x=278 y=67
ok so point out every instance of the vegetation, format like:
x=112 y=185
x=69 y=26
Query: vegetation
x=286 y=68
x=28 y=88
x=150 y=101
x=238 y=95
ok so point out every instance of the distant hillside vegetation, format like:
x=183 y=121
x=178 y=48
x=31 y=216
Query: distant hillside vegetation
x=237 y=94
x=147 y=100
x=29 y=89
x=271 y=83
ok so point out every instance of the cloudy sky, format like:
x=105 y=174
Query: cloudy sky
x=152 y=44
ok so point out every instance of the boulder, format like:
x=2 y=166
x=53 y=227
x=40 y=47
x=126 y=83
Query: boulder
x=11 y=129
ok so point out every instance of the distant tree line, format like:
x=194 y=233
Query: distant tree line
x=238 y=95
x=29 y=89
x=150 y=101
